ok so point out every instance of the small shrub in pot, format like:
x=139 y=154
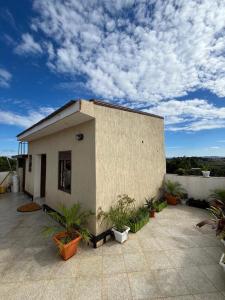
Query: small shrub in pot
x=118 y=217
x=150 y=204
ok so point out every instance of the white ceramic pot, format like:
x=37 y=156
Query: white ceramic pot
x=221 y=261
x=206 y=174
x=121 y=236
x=183 y=201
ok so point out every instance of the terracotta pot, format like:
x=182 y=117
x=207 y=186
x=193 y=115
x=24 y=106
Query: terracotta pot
x=172 y=200
x=152 y=214
x=66 y=250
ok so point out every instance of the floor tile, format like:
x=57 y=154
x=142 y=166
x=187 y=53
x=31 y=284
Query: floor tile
x=209 y=296
x=143 y=285
x=135 y=262
x=215 y=274
x=113 y=264
x=111 y=247
x=131 y=246
x=116 y=287
x=90 y=266
x=179 y=258
x=149 y=244
x=29 y=290
x=74 y=288
x=157 y=260
x=170 y=283
x=195 y=280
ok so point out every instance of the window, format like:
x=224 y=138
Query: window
x=30 y=163
x=64 y=175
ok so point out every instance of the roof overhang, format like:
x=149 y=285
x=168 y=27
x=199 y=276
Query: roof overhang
x=67 y=116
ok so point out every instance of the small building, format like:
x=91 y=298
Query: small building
x=92 y=151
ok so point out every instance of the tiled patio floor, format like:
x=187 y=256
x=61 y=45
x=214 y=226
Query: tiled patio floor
x=167 y=259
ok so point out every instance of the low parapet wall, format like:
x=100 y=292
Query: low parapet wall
x=7 y=181
x=198 y=187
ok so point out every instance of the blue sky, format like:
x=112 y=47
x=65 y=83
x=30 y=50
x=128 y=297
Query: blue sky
x=156 y=56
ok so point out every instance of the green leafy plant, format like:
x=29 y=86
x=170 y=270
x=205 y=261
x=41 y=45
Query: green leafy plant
x=73 y=219
x=205 y=168
x=218 y=195
x=138 y=214
x=174 y=188
x=138 y=218
x=150 y=203
x=218 y=214
x=218 y=218
x=119 y=214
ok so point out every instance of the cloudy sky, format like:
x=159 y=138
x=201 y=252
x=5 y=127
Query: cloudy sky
x=166 y=57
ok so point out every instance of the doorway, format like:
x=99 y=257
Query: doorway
x=43 y=175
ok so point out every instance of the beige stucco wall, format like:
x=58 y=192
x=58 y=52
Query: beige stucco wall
x=130 y=156
x=198 y=187
x=83 y=167
x=122 y=153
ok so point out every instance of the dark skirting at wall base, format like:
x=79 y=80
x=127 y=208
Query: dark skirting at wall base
x=28 y=194
x=94 y=238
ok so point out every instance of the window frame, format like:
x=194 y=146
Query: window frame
x=62 y=161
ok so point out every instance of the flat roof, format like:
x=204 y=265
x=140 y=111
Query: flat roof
x=96 y=102
x=68 y=104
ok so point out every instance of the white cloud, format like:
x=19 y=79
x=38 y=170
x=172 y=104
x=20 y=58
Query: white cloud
x=24 y=120
x=5 y=78
x=190 y=115
x=28 y=45
x=138 y=50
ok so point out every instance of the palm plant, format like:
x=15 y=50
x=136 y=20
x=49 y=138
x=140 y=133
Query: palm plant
x=119 y=214
x=174 y=188
x=218 y=195
x=73 y=220
x=218 y=218
x=218 y=213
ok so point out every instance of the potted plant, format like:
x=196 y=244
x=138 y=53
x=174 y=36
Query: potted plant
x=205 y=171
x=74 y=222
x=118 y=217
x=160 y=205
x=173 y=192
x=138 y=219
x=150 y=204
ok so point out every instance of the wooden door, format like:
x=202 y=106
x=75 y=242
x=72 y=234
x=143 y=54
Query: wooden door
x=43 y=175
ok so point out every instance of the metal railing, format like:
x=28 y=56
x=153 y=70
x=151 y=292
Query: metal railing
x=22 y=148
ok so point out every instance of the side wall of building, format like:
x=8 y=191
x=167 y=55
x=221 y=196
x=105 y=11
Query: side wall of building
x=130 y=156
x=83 y=167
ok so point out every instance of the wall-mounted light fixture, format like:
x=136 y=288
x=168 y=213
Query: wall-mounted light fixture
x=79 y=136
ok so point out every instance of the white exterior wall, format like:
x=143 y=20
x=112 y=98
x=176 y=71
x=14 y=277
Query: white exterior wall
x=198 y=187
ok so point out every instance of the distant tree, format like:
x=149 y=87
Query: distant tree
x=4 y=166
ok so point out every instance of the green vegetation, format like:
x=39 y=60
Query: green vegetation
x=73 y=220
x=150 y=203
x=160 y=205
x=194 y=165
x=138 y=219
x=174 y=188
x=4 y=166
x=119 y=214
